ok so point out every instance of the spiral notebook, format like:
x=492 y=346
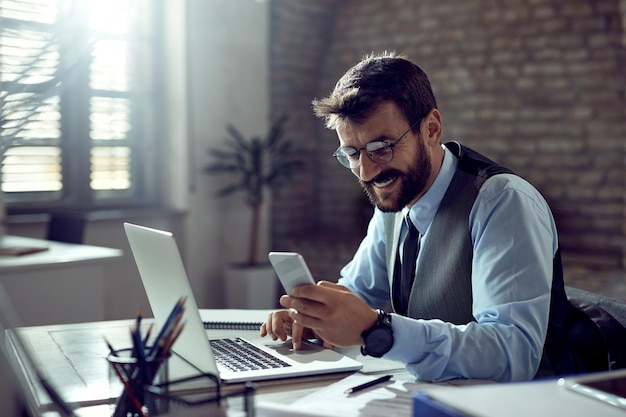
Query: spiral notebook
x=231 y=325
x=233 y=319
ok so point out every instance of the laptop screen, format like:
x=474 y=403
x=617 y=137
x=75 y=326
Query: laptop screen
x=165 y=282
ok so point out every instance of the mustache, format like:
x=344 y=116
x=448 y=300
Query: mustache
x=382 y=177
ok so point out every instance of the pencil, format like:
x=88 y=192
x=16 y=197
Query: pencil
x=170 y=340
x=140 y=349
x=171 y=319
x=148 y=333
x=165 y=349
x=128 y=389
x=113 y=352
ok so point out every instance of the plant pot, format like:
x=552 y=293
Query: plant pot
x=249 y=287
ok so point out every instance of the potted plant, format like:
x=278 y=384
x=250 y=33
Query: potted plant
x=253 y=166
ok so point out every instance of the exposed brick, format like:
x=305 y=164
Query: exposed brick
x=537 y=85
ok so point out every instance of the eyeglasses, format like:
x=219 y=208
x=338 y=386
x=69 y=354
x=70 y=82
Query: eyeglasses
x=379 y=151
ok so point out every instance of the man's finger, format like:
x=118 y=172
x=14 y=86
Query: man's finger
x=332 y=285
x=296 y=335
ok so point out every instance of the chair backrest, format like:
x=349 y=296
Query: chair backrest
x=598 y=331
x=67 y=228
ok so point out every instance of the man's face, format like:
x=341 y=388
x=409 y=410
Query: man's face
x=404 y=179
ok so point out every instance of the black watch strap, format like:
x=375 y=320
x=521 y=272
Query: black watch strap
x=378 y=339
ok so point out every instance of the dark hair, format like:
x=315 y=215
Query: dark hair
x=374 y=80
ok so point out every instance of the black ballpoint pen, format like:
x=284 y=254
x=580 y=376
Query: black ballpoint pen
x=368 y=384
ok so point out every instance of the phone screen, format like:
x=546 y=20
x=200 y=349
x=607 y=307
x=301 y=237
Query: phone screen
x=291 y=269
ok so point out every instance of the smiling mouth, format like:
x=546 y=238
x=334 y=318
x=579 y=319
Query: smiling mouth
x=384 y=182
x=384 y=179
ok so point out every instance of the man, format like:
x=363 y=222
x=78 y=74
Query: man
x=485 y=297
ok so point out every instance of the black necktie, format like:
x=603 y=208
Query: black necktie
x=409 y=257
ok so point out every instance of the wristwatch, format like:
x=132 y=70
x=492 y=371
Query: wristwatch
x=378 y=339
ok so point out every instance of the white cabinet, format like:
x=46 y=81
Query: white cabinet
x=62 y=284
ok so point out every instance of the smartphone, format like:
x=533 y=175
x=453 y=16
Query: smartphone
x=291 y=269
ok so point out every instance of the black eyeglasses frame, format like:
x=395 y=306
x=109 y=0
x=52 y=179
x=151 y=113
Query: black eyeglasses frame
x=345 y=160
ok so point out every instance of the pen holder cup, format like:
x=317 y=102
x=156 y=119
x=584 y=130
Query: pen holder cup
x=129 y=380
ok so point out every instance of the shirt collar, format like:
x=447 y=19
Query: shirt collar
x=423 y=212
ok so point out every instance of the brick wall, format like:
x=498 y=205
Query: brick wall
x=537 y=85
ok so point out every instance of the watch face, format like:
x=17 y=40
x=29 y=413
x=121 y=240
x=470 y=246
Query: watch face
x=379 y=341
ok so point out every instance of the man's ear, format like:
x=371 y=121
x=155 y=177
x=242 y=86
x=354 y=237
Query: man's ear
x=434 y=125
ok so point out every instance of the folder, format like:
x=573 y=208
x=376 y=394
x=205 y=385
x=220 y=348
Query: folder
x=426 y=406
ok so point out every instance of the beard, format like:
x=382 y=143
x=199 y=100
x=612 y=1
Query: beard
x=412 y=183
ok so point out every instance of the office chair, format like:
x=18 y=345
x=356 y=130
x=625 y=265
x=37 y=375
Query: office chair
x=66 y=227
x=598 y=332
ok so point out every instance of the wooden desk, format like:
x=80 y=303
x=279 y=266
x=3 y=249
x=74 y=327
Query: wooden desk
x=62 y=284
x=73 y=357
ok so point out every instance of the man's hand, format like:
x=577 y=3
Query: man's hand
x=279 y=325
x=335 y=314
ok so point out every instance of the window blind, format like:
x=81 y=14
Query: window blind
x=72 y=73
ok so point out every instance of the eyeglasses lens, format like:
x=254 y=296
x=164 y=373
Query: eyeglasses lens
x=379 y=152
x=348 y=157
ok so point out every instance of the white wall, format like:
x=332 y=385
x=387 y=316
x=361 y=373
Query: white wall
x=228 y=79
x=227 y=82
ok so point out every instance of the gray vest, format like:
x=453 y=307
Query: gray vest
x=443 y=283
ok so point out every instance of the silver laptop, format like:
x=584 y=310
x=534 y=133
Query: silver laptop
x=165 y=281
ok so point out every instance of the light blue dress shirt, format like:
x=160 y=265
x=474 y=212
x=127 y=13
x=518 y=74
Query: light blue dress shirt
x=515 y=240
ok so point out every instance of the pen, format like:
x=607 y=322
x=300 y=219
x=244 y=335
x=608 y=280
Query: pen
x=368 y=384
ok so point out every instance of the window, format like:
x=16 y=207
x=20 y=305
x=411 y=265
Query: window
x=78 y=110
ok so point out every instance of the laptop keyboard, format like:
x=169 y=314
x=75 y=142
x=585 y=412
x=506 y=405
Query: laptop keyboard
x=237 y=355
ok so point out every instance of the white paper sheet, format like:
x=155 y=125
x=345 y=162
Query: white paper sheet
x=389 y=399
